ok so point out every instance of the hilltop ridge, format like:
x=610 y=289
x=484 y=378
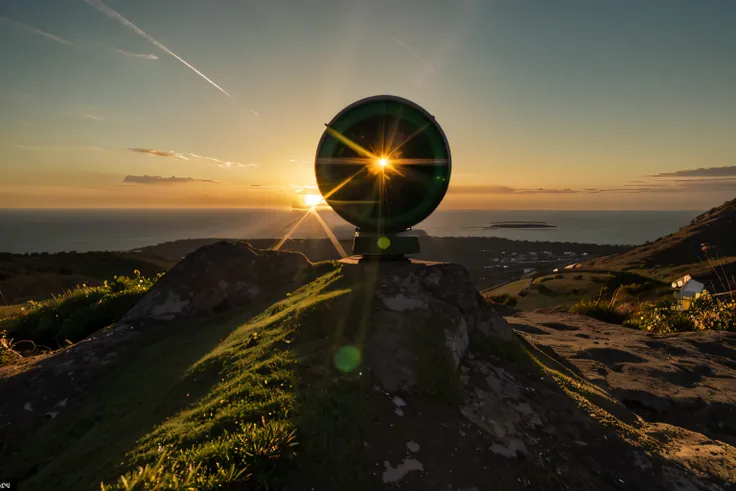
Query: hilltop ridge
x=339 y=375
x=683 y=249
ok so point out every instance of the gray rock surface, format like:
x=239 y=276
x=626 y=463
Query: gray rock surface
x=421 y=309
x=684 y=379
x=218 y=277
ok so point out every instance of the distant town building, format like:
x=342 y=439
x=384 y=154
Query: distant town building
x=688 y=290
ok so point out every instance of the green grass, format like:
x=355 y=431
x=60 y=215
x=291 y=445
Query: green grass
x=76 y=313
x=567 y=288
x=234 y=401
x=280 y=413
x=245 y=419
x=88 y=444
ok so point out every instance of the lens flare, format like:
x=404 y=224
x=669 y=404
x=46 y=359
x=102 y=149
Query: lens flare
x=312 y=200
x=383 y=162
x=347 y=358
x=384 y=243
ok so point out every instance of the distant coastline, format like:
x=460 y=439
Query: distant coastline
x=121 y=230
x=521 y=224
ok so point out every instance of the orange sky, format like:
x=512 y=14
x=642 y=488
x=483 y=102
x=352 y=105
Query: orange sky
x=593 y=111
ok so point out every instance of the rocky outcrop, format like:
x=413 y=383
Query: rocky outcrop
x=526 y=417
x=423 y=317
x=684 y=379
x=219 y=277
x=214 y=278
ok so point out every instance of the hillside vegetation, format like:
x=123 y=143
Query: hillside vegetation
x=617 y=297
x=220 y=406
x=38 y=276
x=568 y=287
x=708 y=241
x=276 y=396
x=71 y=316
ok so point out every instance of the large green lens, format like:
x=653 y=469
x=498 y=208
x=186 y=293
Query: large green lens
x=383 y=164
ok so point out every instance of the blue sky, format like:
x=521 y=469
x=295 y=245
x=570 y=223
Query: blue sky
x=546 y=104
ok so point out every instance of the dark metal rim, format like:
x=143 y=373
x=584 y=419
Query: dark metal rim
x=414 y=105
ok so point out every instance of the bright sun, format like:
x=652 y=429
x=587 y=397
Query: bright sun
x=383 y=162
x=312 y=200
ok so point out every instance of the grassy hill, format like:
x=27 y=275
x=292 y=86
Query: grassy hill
x=263 y=398
x=39 y=275
x=683 y=251
x=200 y=408
x=705 y=248
x=568 y=287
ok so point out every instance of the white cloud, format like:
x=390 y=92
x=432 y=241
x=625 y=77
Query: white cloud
x=142 y=56
x=190 y=156
x=163 y=180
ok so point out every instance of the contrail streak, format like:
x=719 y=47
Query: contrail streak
x=416 y=55
x=114 y=15
x=41 y=33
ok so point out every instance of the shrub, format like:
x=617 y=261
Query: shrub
x=7 y=350
x=600 y=309
x=635 y=289
x=660 y=319
x=708 y=313
x=505 y=299
x=705 y=312
x=77 y=313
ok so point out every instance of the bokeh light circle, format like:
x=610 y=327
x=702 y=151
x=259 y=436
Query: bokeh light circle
x=347 y=358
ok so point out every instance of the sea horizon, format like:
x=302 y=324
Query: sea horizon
x=289 y=208
x=29 y=230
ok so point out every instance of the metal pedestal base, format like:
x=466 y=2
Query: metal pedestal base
x=371 y=245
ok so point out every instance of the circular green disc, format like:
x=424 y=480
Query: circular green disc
x=383 y=164
x=346 y=358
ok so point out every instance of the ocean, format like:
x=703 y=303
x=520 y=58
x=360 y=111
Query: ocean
x=45 y=230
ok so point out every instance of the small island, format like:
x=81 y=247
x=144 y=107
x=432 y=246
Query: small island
x=521 y=224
